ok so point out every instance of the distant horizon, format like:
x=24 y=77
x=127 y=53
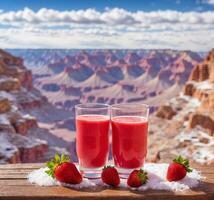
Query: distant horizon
x=131 y=49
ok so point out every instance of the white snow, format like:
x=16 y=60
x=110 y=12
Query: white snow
x=202 y=155
x=40 y=178
x=27 y=116
x=6 y=148
x=157 y=179
x=189 y=104
x=7 y=95
x=4 y=120
x=203 y=152
x=156 y=173
x=204 y=85
x=192 y=102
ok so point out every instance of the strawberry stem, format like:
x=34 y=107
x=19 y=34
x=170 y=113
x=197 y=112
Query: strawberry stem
x=143 y=176
x=58 y=160
x=184 y=162
x=108 y=166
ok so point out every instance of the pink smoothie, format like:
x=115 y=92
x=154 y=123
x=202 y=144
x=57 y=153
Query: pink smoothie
x=129 y=141
x=92 y=140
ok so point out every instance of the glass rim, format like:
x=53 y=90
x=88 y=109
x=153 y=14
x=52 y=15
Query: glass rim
x=102 y=106
x=135 y=106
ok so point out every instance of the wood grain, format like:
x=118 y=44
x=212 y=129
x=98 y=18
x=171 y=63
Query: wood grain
x=14 y=186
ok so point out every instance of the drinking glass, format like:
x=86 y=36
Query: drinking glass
x=92 y=137
x=129 y=136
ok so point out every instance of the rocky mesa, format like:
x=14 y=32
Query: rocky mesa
x=114 y=76
x=188 y=119
x=21 y=137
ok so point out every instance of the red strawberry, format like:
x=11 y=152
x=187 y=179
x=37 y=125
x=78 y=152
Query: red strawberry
x=178 y=169
x=137 y=178
x=110 y=176
x=63 y=170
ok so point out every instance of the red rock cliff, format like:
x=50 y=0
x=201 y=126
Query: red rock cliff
x=16 y=92
x=185 y=124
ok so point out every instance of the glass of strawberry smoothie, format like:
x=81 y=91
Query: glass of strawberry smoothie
x=92 y=137
x=129 y=136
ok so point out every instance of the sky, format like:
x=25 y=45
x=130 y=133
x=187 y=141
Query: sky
x=134 y=24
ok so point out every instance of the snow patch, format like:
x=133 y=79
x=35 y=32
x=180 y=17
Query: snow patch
x=203 y=85
x=203 y=152
x=6 y=148
x=192 y=102
x=4 y=120
x=189 y=104
x=156 y=173
x=40 y=178
x=27 y=116
x=7 y=95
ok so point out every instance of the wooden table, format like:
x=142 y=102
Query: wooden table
x=14 y=186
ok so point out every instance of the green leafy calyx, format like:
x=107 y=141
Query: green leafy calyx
x=107 y=166
x=184 y=162
x=142 y=176
x=58 y=160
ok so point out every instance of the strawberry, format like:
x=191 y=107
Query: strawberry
x=137 y=178
x=63 y=170
x=178 y=169
x=110 y=176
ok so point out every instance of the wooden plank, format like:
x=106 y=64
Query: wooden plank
x=13 y=177
x=14 y=186
x=31 y=166
x=24 y=176
x=17 y=182
x=38 y=165
x=22 y=166
x=59 y=191
x=27 y=171
x=43 y=193
x=16 y=171
x=22 y=173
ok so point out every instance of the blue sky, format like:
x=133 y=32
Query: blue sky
x=176 y=24
x=132 y=5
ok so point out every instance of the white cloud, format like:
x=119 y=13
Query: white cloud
x=112 y=28
x=115 y=16
x=209 y=1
